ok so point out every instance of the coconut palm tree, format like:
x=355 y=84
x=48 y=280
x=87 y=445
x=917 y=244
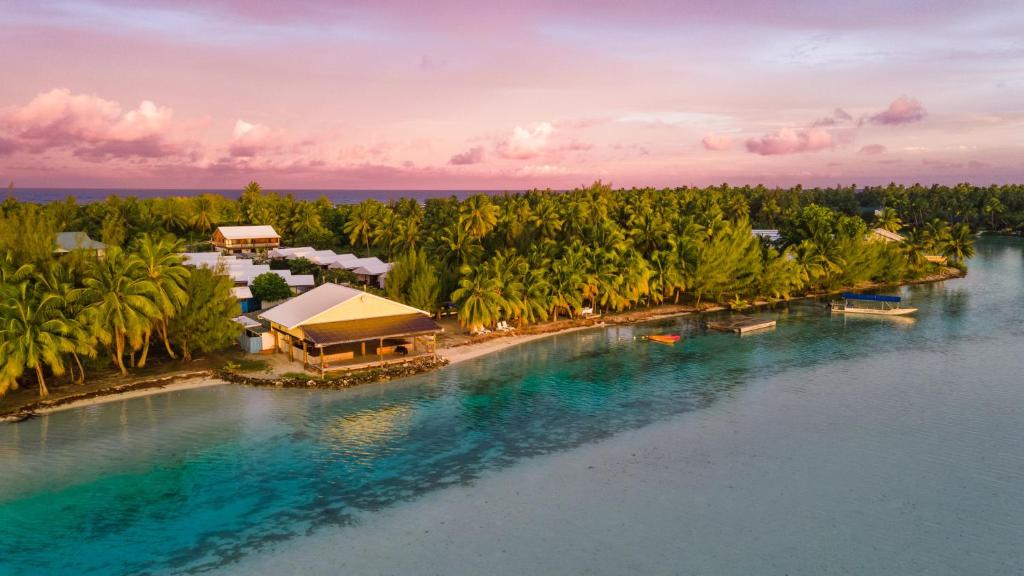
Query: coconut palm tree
x=993 y=207
x=361 y=222
x=478 y=298
x=122 y=299
x=161 y=258
x=34 y=334
x=478 y=215
x=959 y=244
x=59 y=281
x=889 y=219
x=203 y=215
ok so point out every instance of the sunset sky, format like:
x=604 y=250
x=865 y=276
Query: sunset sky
x=311 y=94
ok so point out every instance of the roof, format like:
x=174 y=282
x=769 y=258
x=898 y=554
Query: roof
x=306 y=307
x=766 y=233
x=303 y=307
x=299 y=279
x=241 y=292
x=246 y=321
x=368 y=328
x=871 y=297
x=889 y=236
x=282 y=252
x=373 y=269
x=68 y=241
x=242 y=232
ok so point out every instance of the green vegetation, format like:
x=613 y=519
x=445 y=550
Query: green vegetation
x=59 y=314
x=270 y=287
x=521 y=258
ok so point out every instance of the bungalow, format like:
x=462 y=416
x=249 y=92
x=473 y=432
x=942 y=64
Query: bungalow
x=68 y=241
x=242 y=272
x=336 y=327
x=372 y=271
x=235 y=239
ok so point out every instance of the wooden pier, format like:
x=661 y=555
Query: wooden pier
x=740 y=325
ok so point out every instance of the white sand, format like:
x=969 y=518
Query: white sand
x=173 y=386
x=470 y=351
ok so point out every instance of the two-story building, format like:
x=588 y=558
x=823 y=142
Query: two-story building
x=238 y=239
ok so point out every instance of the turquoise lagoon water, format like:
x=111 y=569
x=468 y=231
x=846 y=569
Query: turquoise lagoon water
x=192 y=481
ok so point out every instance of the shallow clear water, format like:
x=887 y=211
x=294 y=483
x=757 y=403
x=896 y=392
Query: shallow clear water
x=190 y=481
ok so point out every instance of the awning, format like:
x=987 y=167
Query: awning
x=870 y=297
x=331 y=333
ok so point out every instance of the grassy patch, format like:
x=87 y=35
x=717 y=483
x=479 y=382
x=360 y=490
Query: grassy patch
x=248 y=365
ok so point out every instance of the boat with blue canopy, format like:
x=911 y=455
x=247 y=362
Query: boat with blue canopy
x=854 y=303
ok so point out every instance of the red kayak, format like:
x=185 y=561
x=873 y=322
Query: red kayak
x=664 y=338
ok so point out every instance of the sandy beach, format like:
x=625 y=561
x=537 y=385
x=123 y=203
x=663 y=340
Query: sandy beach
x=173 y=383
x=457 y=354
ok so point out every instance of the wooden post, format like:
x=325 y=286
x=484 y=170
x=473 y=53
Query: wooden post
x=305 y=355
x=291 y=347
x=363 y=348
x=277 y=345
x=380 y=351
x=322 y=365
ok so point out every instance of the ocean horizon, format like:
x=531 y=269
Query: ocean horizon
x=338 y=196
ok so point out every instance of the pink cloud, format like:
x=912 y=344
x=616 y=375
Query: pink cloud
x=838 y=116
x=8 y=146
x=791 y=141
x=251 y=139
x=90 y=126
x=714 y=141
x=903 y=110
x=872 y=149
x=525 y=143
x=474 y=155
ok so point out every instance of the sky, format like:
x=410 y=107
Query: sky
x=484 y=95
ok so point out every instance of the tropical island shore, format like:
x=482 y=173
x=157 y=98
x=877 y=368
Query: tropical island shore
x=456 y=348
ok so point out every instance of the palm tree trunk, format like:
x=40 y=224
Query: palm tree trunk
x=119 y=353
x=167 y=341
x=81 y=371
x=43 y=392
x=145 y=351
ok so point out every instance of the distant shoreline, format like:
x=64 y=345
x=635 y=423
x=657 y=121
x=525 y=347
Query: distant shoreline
x=338 y=195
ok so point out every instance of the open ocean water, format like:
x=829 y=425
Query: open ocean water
x=87 y=195
x=867 y=446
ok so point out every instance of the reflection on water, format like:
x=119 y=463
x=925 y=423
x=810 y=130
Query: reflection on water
x=187 y=481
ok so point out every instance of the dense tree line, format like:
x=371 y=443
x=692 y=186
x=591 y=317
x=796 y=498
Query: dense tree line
x=60 y=314
x=523 y=257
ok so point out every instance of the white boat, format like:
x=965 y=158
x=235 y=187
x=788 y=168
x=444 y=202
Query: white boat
x=890 y=305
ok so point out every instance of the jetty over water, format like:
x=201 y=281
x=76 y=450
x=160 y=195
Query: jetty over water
x=740 y=325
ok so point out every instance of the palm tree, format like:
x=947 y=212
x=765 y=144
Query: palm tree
x=889 y=219
x=203 y=216
x=478 y=215
x=122 y=299
x=59 y=281
x=162 y=261
x=960 y=244
x=33 y=334
x=478 y=298
x=360 y=223
x=993 y=207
